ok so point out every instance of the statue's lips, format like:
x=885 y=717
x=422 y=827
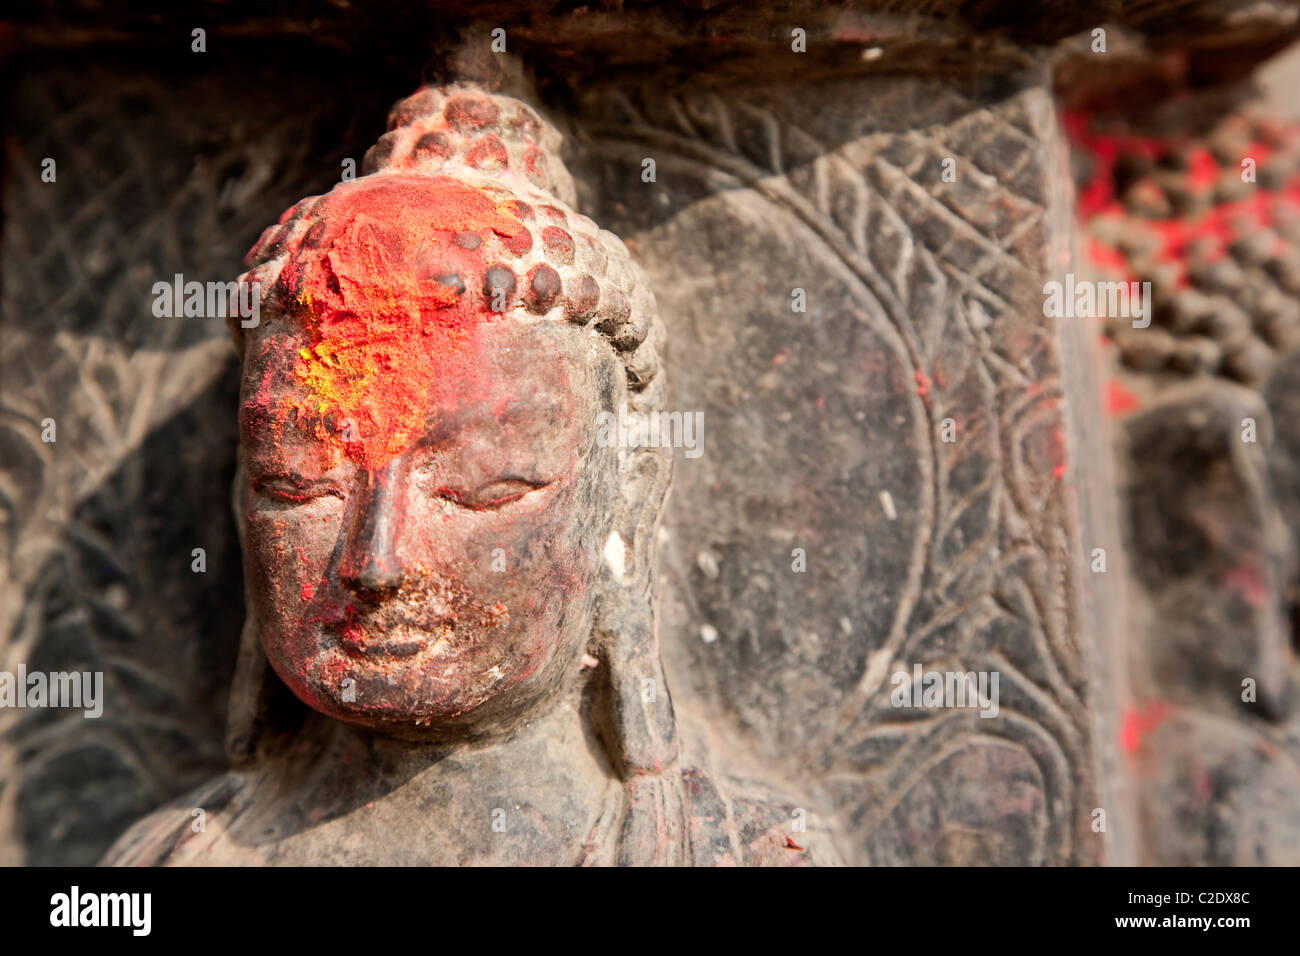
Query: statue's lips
x=392 y=641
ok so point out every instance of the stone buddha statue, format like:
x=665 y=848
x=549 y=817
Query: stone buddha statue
x=442 y=561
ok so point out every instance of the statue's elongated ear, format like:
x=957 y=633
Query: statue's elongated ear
x=638 y=710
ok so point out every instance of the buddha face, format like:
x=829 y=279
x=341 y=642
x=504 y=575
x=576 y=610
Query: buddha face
x=418 y=589
x=426 y=504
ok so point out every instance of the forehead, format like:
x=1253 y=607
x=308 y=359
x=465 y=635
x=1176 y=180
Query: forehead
x=513 y=378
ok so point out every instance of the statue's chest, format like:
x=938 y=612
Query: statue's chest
x=458 y=817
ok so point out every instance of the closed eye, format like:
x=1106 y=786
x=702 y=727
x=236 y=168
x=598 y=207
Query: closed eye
x=294 y=489
x=493 y=495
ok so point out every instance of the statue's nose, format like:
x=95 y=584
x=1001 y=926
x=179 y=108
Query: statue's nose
x=371 y=566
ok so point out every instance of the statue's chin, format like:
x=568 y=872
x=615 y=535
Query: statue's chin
x=489 y=717
x=403 y=696
x=404 y=701
x=467 y=725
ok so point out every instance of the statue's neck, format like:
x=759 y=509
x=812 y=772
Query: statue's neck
x=545 y=736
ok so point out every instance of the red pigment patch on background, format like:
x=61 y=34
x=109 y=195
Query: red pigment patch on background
x=1108 y=258
x=1052 y=447
x=1247 y=582
x=1119 y=400
x=1222 y=225
x=1202 y=170
x=1098 y=195
x=375 y=286
x=1138 y=722
x=1211 y=233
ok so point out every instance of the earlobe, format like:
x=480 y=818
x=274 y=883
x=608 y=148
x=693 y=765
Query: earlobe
x=646 y=476
x=638 y=710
